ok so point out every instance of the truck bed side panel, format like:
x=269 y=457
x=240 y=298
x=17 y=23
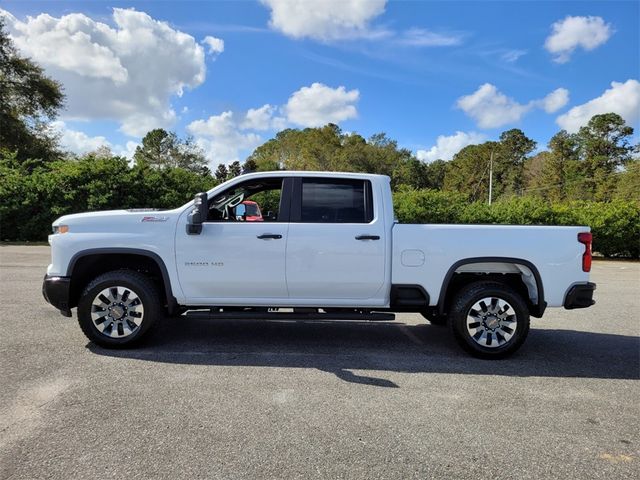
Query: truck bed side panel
x=554 y=251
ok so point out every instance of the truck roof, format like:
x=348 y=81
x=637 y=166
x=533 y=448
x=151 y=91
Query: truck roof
x=294 y=173
x=306 y=173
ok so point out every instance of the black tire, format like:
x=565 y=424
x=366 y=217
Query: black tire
x=136 y=282
x=434 y=318
x=470 y=296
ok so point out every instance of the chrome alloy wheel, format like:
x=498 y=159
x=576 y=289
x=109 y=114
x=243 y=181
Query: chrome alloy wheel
x=117 y=312
x=491 y=322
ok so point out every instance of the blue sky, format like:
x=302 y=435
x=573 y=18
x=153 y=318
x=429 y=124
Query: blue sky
x=433 y=75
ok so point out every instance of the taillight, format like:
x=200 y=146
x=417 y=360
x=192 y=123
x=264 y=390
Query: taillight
x=585 y=238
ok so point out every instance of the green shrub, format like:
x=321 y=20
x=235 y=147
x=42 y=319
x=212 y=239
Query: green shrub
x=30 y=202
x=427 y=206
x=615 y=225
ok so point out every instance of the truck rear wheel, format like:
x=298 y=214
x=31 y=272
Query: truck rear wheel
x=118 y=308
x=489 y=319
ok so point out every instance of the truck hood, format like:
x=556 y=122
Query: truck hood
x=114 y=220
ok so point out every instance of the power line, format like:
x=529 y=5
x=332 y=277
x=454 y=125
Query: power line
x=480 y=181
x=575 y=180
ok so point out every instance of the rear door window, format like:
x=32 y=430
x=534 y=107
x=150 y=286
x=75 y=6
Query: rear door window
x=336 y=201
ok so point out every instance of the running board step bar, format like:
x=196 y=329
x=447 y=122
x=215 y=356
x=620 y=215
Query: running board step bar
x=253 y=315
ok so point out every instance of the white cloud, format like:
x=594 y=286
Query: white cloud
x=325 y=19
x=447 y=146
x=76 y=141
x=225 y=136
x=222 y=137
x=67 y=43
x=555 y=100
x=215 y=125
x=621 y=98
x=127 y=73
x=263 y=118
x=228 y=149
x=573 y=32
x=137 y=124
x=330 y=20
x=216 y=45
x=491 y=108
x=512 y=56
x=319 y=104
x=127 y=151
x=420 y=37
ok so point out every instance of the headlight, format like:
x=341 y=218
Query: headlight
x=60 y=228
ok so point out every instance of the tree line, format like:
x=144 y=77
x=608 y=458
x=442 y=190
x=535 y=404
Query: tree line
x=597 y=163
x=596 y=169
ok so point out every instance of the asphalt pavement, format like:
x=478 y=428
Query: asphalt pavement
x=280 y=399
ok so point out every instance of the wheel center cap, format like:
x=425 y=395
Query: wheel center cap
x=117 y=312
x=492 y=322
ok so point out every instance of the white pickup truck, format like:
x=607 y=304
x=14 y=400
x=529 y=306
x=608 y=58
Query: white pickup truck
x=328 y=247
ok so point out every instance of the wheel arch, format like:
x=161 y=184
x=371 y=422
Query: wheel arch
x=106 y=259
x=537 y=304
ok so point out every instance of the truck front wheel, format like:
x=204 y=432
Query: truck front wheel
x=489 y=319
x=117 y=308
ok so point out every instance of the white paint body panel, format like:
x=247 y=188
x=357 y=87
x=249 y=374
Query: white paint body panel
x=317 y=264
x=325 y=261
x=116 y=229
x=329 y=263
x=228 y=260
x=554 y=251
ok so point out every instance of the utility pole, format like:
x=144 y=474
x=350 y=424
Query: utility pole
x=490 y=177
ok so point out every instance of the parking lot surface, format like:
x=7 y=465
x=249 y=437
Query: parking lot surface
x=255 y=399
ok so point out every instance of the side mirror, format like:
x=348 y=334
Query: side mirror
x=198 y=215
x=240 y=212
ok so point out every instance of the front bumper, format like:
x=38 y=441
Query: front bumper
x=55 y=290
x=580 y=296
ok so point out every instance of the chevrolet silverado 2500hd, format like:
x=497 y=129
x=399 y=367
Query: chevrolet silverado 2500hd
x=330 y=249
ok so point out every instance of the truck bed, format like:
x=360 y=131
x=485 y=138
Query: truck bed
x=425 y=254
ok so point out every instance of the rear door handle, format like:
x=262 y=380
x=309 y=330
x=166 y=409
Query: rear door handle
x=266 y=236
x=368 y=237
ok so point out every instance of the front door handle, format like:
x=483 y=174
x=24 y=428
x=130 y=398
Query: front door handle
x=368 y=237
x=266 y=236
